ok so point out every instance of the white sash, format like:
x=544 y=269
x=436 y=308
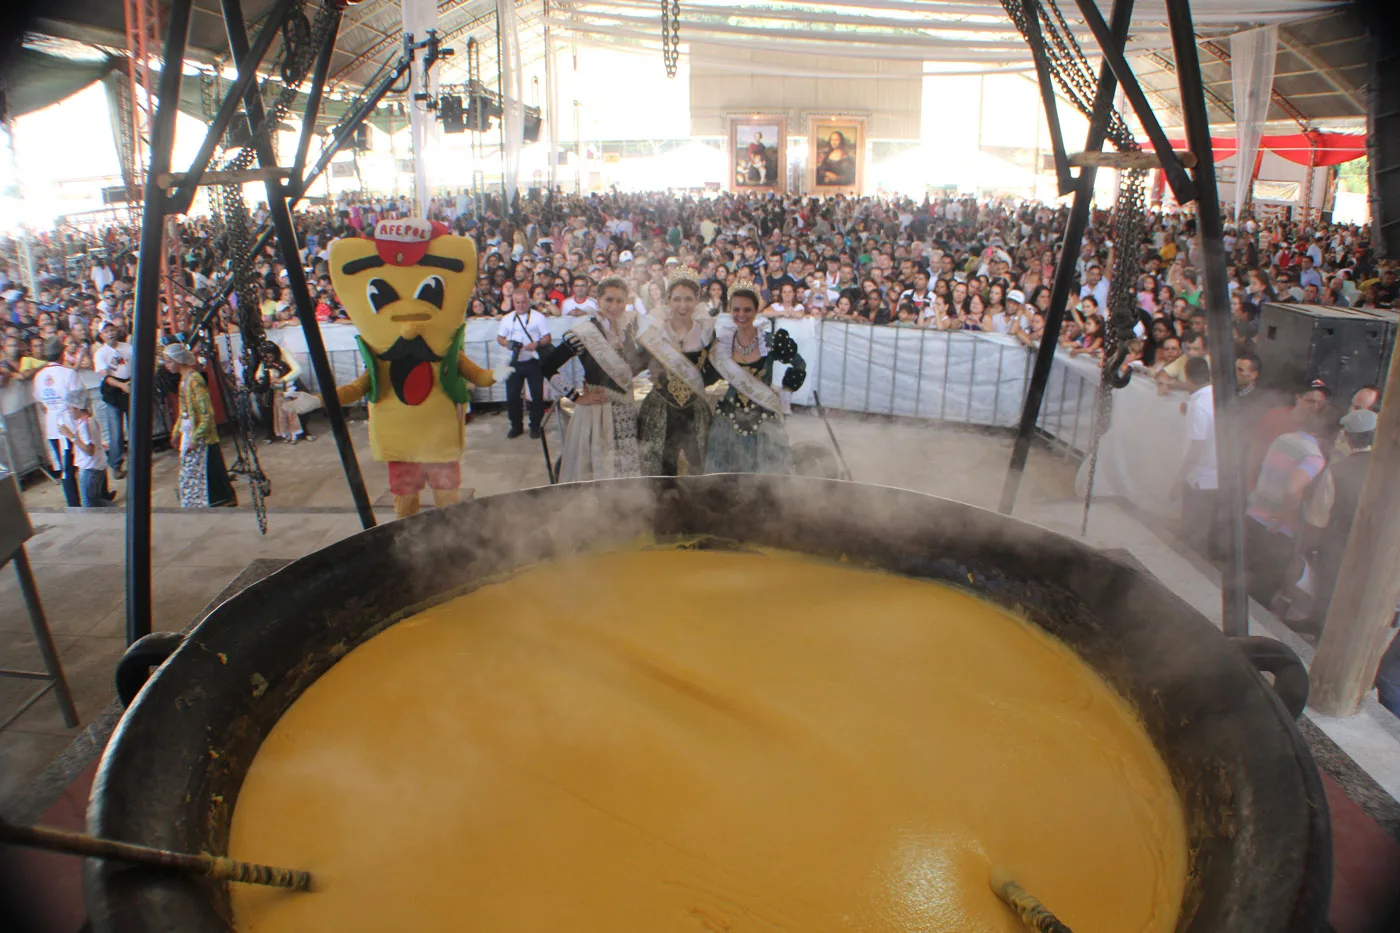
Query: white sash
x=739 y=377
x=590 y=333
x=669 y=355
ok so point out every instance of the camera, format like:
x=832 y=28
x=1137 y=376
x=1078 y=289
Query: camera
x=515 y=347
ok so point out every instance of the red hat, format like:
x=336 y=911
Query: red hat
x=405 y=242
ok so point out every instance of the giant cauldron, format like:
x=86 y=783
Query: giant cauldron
x=1260 y=850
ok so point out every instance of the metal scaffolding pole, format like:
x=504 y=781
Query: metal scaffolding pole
x=1064 y=269
x=143 y=337
x=1234 y=609
x=281 y=217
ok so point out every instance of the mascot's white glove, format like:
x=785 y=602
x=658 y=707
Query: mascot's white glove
x=502 y=373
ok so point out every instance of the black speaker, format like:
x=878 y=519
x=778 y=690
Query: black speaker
x=532 y=125
x=450 y=112
x=1347 y=348
x=362 y=138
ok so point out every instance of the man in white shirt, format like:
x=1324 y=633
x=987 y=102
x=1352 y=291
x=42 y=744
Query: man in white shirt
x=84 y=441
x=51 y=388
x=1197 y=481
x=524 y=332
x=579 y=303
x=1095 y=284
x=112 y=362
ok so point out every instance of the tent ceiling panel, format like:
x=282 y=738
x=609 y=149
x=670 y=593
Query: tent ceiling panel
x=1322 y=49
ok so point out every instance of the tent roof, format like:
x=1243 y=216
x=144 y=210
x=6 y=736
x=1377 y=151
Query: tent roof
x=1322 y=57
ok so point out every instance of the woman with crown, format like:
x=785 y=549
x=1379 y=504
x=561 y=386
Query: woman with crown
x=748 y=435
x=674 y=419
x=600 y=441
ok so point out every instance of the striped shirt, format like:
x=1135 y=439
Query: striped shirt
x=1286 y=455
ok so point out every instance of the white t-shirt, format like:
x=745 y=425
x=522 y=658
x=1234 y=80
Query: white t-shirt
x=51 y=390
x=528 y=328
x=587 y=306
x=1200 y=426
x=83 y=429
x=1099 y=291
x=119 y=357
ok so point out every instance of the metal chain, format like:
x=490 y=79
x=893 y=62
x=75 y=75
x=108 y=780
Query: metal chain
x=671 y=35
x=1070 y=69
x=298 y=55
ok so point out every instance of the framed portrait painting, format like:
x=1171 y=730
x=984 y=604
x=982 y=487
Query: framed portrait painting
x=757 y=153
x=836 y=155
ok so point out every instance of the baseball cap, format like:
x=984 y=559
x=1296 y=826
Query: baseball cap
x=626 y=256
x=1361 y=421
x=1017 y=296
x=1317 y=385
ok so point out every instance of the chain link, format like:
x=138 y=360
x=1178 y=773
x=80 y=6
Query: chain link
x=298 y=55
x=1070 y=69
x=671 y=35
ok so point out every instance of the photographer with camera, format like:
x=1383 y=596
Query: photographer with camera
x=525 y=332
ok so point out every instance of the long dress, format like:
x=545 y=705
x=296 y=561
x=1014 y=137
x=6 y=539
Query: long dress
x=204 y=479
x=600 y=441
x=748 y=434
x=673 y=422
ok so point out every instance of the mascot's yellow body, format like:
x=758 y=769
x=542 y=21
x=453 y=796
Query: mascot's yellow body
x=407 y=292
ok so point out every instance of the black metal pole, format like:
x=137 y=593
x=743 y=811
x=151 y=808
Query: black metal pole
x=1064 y=269
x=282 y=224
x=182 y=196
x=1031 y=11
x=338 y=141
x=144 y=327
x=313 y=104
x=1234 y=597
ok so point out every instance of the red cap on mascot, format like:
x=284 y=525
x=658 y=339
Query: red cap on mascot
x=405 y=242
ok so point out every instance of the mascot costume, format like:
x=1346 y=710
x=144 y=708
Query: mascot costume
x=407 y=292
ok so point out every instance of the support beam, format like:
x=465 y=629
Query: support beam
x=1122 y=161
x=181 y=179
x=143 y=337
x=1069 y=252
x=180 y=201
x=281 y=217
x=313 y=100
x=1031 y=12
x=1210 y=228
x=1113 y=56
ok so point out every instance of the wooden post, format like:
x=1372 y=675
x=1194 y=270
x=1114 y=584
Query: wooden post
x=1368 y=583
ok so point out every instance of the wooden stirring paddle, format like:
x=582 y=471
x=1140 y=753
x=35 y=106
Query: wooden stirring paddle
x=1033 y=913
x=210 y=866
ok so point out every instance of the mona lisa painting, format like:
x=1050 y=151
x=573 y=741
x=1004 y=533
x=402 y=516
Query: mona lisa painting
x=837 y=155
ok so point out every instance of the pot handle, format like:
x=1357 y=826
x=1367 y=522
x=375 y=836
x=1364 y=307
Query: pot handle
x=1290 y=676
x=145 y=655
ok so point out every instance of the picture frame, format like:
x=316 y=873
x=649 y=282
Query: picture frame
x=843 y=173
x=757 y=154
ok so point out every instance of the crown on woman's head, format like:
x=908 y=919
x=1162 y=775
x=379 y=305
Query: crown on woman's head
x=743 y=288
x=682 y=276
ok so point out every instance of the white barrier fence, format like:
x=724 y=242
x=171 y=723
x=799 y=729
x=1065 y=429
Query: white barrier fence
x=955 y=377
